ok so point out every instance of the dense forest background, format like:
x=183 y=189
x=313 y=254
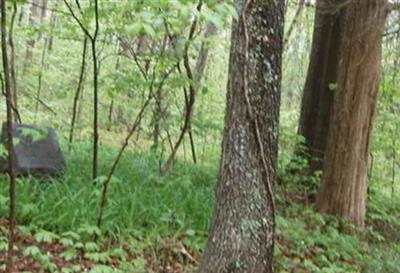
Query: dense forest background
x=136 y=91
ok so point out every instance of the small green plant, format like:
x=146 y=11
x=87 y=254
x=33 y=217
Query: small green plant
x=44 y=259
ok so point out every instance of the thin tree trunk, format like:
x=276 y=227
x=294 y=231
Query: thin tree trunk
x=394 y=161
x=43 y=13
x=132 y=129
x=201 y=64
x=190 y=132
x=293 y=24
x=78 y=93
x=14 y=91
x=21 y=16
x=30 y=44
x=111 y=108
x=53 y=22
x=317 y=101
x=241 y=239
x=110 y=114
x=95 y=114
x=106 y=184
x=191 y=98
x=344 y=182
x=10 y=145
x=211 y=31
x=93 y=40
x=95 y=97
x=157 y=117
x=40 y=77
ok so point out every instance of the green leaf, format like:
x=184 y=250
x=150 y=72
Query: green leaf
x=190 y=232
x=45 y=236
x=102 y=269
x=332 y=86
x=98 y=256
x=33 y=251
x=66 y=242
x=91 y=247
x=69 y=254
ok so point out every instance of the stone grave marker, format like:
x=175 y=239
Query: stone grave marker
x=36 y=150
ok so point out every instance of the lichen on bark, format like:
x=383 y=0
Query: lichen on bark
x=241 y=237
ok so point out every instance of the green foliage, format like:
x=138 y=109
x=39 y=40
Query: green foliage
x=34 y=134
x=137 y=201
x=143 y=209
x=44 y=259
x=311 y=242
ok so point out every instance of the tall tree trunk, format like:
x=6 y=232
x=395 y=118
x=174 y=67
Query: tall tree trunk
x=78 y=93
x=40 y=76
x=293 y=24
x=201 y=64
x=43 y=13
x=95 y=103
x=14 y=91
x=33 y=20
x=93 y=41
x=241 y=238
x=21 y=15
x=158 y=113
x=344 y=186
x=322 y=76
x=10 y=145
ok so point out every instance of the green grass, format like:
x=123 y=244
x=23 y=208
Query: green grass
x=142 y=210
x=139 y=202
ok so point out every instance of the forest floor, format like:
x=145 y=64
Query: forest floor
x=159 y=226
x=40 y=254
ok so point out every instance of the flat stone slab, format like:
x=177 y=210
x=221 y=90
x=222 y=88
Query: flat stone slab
x=36 y=149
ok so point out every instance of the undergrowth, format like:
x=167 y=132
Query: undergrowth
x=148 y=219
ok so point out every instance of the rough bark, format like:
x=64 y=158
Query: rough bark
x=241 y=237
x=344 y=182
x=322 y=75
